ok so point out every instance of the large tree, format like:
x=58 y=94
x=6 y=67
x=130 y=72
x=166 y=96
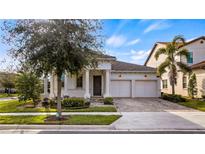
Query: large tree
x=171 y=64
x=54 y=46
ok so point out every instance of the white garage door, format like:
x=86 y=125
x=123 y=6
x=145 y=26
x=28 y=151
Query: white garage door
x=146 y=89
x=120 y=88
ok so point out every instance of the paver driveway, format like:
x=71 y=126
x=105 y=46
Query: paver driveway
x=149 y=105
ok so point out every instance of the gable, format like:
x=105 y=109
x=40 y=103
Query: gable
x=151 y=61
x=191 y=45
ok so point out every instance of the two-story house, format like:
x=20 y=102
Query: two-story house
x=196 y=61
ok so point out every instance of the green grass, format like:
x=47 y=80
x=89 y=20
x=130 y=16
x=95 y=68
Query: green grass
x=70 y=120
x=195 y=104
x=16 y=106
x=4 y=95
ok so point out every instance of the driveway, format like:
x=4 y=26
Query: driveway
x=149 y=105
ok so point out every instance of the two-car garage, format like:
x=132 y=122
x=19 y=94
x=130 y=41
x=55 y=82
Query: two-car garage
x=132 y=80
x=136 y=88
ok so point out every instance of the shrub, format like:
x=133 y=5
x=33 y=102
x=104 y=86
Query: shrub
x=87 y=103
x=173 y=98
x=66 y=96
x=108 y=100
x=73 y=102
x=192 y=86
x=45 y=102
x=52 y=103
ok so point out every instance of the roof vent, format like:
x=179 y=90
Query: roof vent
x=202 y=42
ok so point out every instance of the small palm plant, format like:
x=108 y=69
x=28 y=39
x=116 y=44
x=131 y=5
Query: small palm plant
x=171 y=64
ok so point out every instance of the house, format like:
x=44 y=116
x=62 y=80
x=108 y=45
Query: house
x=196 y=61
x=110 y=78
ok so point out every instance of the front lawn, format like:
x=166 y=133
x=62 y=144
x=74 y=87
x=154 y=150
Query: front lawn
x=16 y=106
x=69 y=120
x=195 y=104
x=4 y=95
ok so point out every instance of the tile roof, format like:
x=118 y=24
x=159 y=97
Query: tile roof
x=123 y=66
x=199 y=65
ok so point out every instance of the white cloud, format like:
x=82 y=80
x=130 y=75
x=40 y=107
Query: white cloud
x=133 y=42
x=116 y=41
x=139 y=56
x=161 y=24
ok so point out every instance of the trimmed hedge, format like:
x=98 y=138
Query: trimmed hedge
x=173 y=98
x=108 y=101
x=74 y=102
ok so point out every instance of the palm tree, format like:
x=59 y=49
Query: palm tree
x=171 y=64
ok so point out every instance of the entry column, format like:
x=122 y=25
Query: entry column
x=107 y=83
x=46 y=87
x=66 y=84
x=87 y=93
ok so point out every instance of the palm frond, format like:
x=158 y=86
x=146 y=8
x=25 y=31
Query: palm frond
x=183 y=67
x=183 y=52
x=159 y=52
x=162 y=67
x=179 y=39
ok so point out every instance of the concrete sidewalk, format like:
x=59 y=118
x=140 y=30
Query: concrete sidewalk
x=8 y=98
x=130 y=122
x=63 y=113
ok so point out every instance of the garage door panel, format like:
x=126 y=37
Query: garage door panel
x=145 y=89
x=120 y=88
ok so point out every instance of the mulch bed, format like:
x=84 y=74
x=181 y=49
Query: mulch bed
x=56 y=120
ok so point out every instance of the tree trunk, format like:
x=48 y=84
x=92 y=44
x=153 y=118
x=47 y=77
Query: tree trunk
x=173 y=89
x=59 y=110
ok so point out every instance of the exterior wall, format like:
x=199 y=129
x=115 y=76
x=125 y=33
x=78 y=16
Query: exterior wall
x=178 y=87
x=152 y=62
x=198 y=50
x=73 y=90
x=200 y=77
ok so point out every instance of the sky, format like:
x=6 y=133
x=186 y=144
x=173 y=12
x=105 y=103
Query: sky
x=132 y=40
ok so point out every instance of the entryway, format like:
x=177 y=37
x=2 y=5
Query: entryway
x=97 y=85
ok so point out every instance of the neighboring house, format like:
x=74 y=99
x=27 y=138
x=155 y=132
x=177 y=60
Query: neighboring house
x=110 y=78
x=196 y=61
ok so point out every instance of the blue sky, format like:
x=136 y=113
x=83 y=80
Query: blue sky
x=132 y=40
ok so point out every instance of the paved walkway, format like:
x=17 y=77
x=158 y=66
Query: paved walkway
x=8 y=98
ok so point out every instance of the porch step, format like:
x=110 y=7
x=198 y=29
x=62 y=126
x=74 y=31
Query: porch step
x=95 y=99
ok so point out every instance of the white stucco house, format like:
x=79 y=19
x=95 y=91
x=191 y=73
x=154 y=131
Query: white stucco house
x=110 y=78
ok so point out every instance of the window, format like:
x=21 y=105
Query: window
x=164 y=84
x=184 y=81
x=190 y=58
x=79 y=82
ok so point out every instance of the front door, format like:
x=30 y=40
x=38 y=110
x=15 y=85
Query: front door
x=97 y=85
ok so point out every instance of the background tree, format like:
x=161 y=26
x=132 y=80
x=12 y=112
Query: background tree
x=192 y=86
x=171 y=64
x=7 y=80
x=28 y=86
x=54 y=46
